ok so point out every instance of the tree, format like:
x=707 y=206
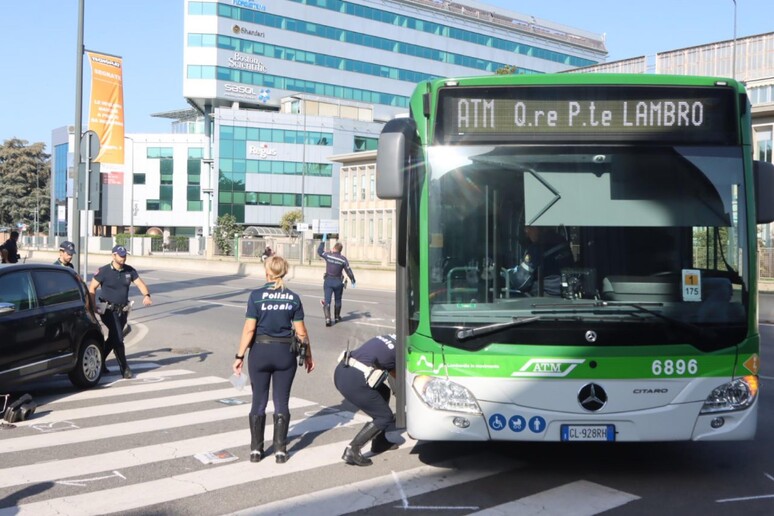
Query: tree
x=24 y=183
x=506 y=70
x=225 y=233
x=289 y=219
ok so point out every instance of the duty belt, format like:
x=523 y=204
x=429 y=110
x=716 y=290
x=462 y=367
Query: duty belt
x=268 y=339
x=115 y=307
x=360 y=366
x=326 y=275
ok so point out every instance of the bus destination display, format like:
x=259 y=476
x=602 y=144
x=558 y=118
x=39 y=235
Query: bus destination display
x=516 y=113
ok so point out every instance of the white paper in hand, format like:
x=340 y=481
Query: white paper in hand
x=238 y=381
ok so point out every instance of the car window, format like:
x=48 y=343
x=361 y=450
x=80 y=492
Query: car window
x=56 y=287
x=16 y=288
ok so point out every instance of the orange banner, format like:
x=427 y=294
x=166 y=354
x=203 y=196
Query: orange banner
x=106 y=109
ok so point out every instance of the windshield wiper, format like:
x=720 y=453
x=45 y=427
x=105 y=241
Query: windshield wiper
x=602 y=307
x=474 y=332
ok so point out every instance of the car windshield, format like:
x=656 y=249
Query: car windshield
x=519 y=231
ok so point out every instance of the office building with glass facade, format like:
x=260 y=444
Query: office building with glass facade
x=288 y=83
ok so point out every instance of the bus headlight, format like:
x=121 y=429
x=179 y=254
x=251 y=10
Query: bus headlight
x=443 y=394
x=735 y=395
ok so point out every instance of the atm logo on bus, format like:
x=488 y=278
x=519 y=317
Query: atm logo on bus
x=548 y=367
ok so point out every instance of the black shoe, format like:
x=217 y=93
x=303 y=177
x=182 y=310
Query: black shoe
x=127 y=373
x=381 y=444
x=353 y=457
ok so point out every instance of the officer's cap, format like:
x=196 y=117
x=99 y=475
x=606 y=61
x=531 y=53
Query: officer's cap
x=67 y=247
x=120 y=250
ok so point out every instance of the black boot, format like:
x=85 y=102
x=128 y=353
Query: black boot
x=257 y=425
x=337 y=314
x=381 y=444
x=281 y=437
x=327 y=312
x=352 y=455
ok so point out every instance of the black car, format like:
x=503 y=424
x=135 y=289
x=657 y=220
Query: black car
x=45 y=326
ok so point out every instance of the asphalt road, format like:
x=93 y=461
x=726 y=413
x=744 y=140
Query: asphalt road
x=127 y=448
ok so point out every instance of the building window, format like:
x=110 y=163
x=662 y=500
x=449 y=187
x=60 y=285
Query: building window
x=363 y=144
x=138 y=179
x=363 y=187
x=166 y=166
x=373 y=186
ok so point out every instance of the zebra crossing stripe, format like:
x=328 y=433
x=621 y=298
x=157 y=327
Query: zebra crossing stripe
x=389 y=489
x=80 y=435
x=133 y=406
x=62 y=382
x=581 y=498
x=139 y=386
x=144 y=494
x=61 y=470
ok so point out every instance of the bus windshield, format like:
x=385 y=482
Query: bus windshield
x=587 y=234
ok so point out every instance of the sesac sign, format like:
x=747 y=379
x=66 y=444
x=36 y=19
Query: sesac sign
x=260 y=151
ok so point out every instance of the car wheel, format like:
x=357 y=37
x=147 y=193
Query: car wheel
x=88 y=368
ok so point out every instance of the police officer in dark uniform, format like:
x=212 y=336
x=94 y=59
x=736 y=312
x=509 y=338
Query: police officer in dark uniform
x=66 y=252
x=274 y=313
x=114 y=279
x=360 y=378
x=333 y=283
x=10 y=250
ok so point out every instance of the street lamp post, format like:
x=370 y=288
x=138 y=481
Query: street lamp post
x=131 y=197
x=37 y=204
x=733 y=57
x=207 y=227
x=302 y=104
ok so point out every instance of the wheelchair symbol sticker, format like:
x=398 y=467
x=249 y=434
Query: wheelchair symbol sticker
x=497 y=422
x=537 y=424
x=517 y=423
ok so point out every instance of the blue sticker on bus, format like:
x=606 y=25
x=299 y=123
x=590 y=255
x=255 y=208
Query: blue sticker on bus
x=537 y=424
x=497 y=422
x=517 y=423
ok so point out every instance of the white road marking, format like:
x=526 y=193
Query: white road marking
x=220 y=303
x=63 y=469
x=376 y=325
x=81 y=482
x=61 y=381
x=126 y=388
x=133 y=406
x=581 y=498
x=132 y=427
x=207 y=480
x=387 y=489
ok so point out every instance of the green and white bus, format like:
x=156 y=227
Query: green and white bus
x=647 y=331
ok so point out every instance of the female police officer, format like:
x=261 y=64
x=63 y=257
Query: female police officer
x=273 y=313
x=359 y=377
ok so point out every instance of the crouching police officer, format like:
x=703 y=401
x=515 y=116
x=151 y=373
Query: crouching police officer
x=360 y=377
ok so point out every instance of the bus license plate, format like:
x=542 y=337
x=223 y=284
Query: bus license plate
x=588 y=432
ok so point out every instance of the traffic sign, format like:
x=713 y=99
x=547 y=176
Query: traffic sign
x=89 y=146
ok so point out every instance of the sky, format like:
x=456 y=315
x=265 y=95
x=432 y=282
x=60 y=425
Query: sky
x=38 y=53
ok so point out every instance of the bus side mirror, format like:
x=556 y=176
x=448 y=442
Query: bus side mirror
x=763 y=173
x=392 y=157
